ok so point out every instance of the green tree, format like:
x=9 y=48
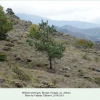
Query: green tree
x=10 y=11
x=45 y=42
x=5 y=24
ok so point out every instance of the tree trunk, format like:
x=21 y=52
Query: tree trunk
x=50 y=62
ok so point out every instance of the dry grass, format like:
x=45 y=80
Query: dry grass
x=35 y=65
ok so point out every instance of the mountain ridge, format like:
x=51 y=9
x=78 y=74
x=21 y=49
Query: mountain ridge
x=37 y=19
x=89 y=34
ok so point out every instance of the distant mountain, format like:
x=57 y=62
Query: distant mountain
x=78 y=29
x=90 y=34
x=96 y=21
x=37 y=19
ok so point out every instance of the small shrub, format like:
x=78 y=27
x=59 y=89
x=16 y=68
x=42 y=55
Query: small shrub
x=66 y=75
x=41 y=64
x=37 y=80
x=81 y=85
x=33 y=29
x=3 y=57
x=21 y=75
x=9 y=44
x=88 y=78
x=63 y=79
x=74 y=60
x=54 y=81
x=84 y=43
x=96 y=59
x=97 y=80
x=31 y=64
x=6 y=48
x=86 y=57
x=30 y=42
x=81 y=73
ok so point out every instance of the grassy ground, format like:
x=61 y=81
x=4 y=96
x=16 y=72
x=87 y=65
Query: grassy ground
x=26 y=67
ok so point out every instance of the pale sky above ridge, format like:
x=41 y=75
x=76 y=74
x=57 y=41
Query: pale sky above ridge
x=56 y=10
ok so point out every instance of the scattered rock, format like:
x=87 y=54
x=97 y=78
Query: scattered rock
x=15 y=55
x=97 y=80
x=2 y=81
x=46 y=64
x=19 y=42
x=6 y=48
x=46 y=86
x=17 y=58
x=66 y=75
x=45 y=83
x=62 y=72
x=29 y=60
x=81 y=62
x=12 y=41
x=22 y=60
x=75 y=66
x=24 y=84
x=94 y=69
x=67 y=35
x=51 y=70
x=4 y=86
x=66 y=68
x=38 y=65
x=19 y=85
x=8 y=39
x=9 y=44
x=95 y=52
x=88 y=78
x=98 y=70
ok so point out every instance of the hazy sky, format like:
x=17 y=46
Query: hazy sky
x=57 y=10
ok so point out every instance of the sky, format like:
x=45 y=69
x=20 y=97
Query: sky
x=56 y=10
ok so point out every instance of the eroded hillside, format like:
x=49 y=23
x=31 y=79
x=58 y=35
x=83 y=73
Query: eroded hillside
x=27 y=67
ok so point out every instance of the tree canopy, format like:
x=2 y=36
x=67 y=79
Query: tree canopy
x=5 y=24
x=10 y=11
x=45 y=42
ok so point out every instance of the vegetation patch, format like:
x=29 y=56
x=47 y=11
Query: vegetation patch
x=88 y=78
x=5 y=24
x=96 y=59
x=81 y=73
x=84 y=43
x=37 y=80
x=54 y=81
x=3 y=57
x=6 y=48
x=33 y=29
x=86 y=57
x=66 y=75
x=30 y=42
x=9 y=44
x=21 y=74
x=97 y=80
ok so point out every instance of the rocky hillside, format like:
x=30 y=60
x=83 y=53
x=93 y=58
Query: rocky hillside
x=21 y=65
x=92 y=34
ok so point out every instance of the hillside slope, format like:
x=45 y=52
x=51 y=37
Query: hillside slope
x=89 y=34
x=25 y=67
